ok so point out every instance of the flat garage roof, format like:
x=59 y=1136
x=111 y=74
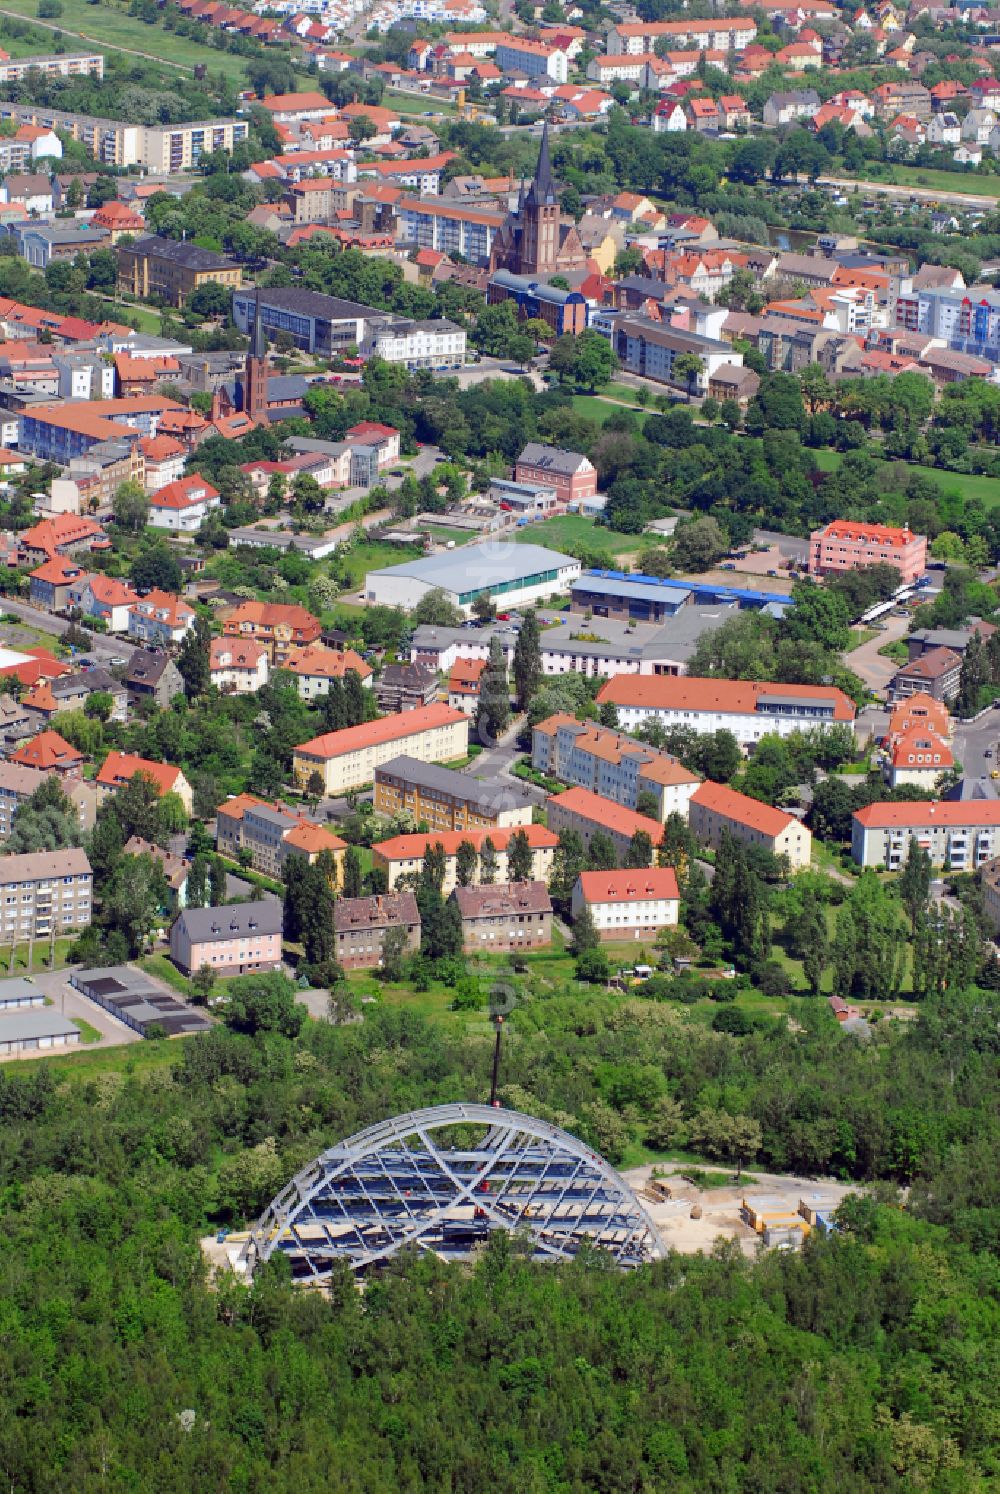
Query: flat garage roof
x=139 y=1000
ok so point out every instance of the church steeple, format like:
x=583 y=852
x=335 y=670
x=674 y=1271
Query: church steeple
x=258 y=342
x=543 y=189
x=255 y=371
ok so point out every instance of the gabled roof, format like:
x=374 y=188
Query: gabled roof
x=46 y=751
x=120 y=767
x=741 y=809
x=651 y=884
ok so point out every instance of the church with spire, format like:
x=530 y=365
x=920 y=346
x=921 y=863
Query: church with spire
x=257 y=396
x=535 y=239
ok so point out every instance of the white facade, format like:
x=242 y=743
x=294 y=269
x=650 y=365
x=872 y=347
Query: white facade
x=639 y=918
x=236 y=669
x=958 y=836
x=182 y=518
x=432 y=344
x=513 y=575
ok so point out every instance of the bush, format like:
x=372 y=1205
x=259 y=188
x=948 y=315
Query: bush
x=734 y=1020
x=772 y=979
x=592 y=967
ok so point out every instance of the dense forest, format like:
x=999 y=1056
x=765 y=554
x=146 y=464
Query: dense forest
x=868 y=1362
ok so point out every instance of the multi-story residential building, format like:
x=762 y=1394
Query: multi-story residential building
x=171 y=269
x=231 y=940
x=405 y=854
x=44 y=893
x=49 y=585
x=437 y=343
x=237 y=666
x=612 y=765
x=174 y=867
x=278 y=626
x=18 y=783
x=843 y=545
x=715 y=808
x=70 y=692
x=121 y=767
x=103 y=597
x=572 y=476
x=404 y=687
x=629 y=904
x=936 y=673
x=153 y=677
x=447 y=800
x=587 y=813
x=361 y=924
x=722 y=34
x=533 y=58
x=59 y=433
x=463 y=685
x=918 y=756
x=750 y=709
x=959 y=834
x=451 y=230
x=347 y=759
x=68 y=65
x=64 y=534
x=270 y=833
x=168 y=149
x=649 y=348
x=989 y=881
x=184 y=505
x=160 y=619
x=315 y=666
x=504 y=915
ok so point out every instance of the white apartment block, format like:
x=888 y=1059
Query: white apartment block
x=957 y=835
x=629 y=904
x=428 y=344
x=612 y=765
x=750 y=709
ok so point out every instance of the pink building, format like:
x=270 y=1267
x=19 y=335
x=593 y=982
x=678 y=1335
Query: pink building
x=845 y=546
x=233 y=940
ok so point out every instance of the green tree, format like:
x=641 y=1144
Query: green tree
x=527 y=663
x=640 y=851
x=130 y=507
x=488 y=863
x=393 y=952
x=915 y=882
x=264 y=1003
x=601 y=854
x=520 y=862
x=466 y=863
x=353 y=874
x=585 y=935
x=193 y=658
x=435 y=609
x=493 y=706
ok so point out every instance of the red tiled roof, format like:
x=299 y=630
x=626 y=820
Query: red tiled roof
x=888 y=816
x=120 y=767
x=730 y=697
x=47 y=750
x=389 y=729
x=607 y=814
x=412 y=847
x=741 y=809
x=651 y=884
x=186 y=492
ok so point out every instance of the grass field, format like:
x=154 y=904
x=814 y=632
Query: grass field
x=88 y=1034
x=969 y=484
x=929 y=179
x=408 y=103
x=372 y=556
x=112 y=30
x=566 y=529
x=39 y=957
x=602 y=410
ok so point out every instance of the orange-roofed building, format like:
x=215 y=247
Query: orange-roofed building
x=122 y=767
x=917 y=756
x=628 y=904
x=843 y=545
x=750 y=709
x=958 y=834
x=104 y=597
x=588 y=813
x=39 y=665
x=279 y=626
x=291 y=108
x=184 y=505
x=237 y=666
x=118 y=218
x=716 y=809
x=463 y=685
x=49 y=584
x=919 y=710
x=160 y=619
x=165 y=457
x=405 y=853
x=64 y=534
x=270 y=833
x=347 y=759
x=315 y=666
x=49 y=753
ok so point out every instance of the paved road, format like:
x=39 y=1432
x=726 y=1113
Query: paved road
x=101 y=647
x=973 y=740
x=873 y=667
x=493 y=766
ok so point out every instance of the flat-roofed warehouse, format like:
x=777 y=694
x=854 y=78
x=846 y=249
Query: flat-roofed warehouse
x=138 y=1001
x=35 y=1031
x=513 y=575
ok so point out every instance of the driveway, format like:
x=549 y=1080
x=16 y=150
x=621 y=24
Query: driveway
x=874 y=668
x=70 y=1003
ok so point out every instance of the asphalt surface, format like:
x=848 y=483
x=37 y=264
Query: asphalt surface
x=101 y=647
x=976 y=745
x=866 y=661
x=55 y=985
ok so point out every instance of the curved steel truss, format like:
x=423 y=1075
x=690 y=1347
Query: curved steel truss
x=407 y=1182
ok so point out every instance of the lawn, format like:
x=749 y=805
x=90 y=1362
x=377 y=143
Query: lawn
x=441 y=533
x=930 y=179
x=88 y=1034
x=969 y=484
x=373 y=556
x=39 y=957
x=566 y=529
x=111 y=30
x=859 y=637
x=408 y=103
x=602 y=410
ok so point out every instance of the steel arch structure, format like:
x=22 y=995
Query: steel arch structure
x=398 y=1184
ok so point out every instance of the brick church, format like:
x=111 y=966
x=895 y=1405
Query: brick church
x=536 y=239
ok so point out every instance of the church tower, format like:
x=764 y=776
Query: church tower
x=540 y=218
x=255 y=371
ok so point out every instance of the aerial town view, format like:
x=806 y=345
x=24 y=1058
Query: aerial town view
x=499 y=747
